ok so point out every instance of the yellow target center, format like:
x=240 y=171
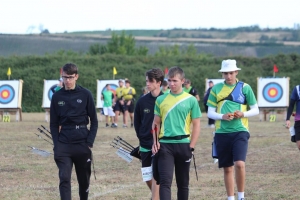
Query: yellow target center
x=273 y=92
x=5 y=94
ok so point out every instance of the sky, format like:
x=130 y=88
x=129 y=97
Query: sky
x=58 y=16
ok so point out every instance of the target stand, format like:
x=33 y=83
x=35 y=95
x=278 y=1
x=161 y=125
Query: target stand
x=11 y=99
x=272 y=97
x=6 y=112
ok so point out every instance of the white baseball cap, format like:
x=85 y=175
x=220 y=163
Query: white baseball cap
x=229 y=66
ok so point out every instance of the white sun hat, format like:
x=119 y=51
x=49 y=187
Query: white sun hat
x=229 y=66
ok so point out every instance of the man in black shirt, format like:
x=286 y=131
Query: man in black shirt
x=190 y=89
x=72 y=109
x=143 y=118
x=211 y=122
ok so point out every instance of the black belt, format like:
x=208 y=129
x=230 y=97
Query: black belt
x=73 y=126
x=179 y=137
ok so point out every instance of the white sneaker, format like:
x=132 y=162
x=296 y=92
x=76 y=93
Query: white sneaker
x=212 y=126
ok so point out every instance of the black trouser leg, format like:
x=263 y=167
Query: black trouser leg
x=180 y=156
x=165 y=170
x=64 y=164
x=82 y=161
x=182 y=170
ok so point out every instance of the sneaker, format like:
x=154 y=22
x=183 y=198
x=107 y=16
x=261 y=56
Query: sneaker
x=113 y=125
x=125 y=126
x=131 y=125
x=211 y=126
x=106 y=125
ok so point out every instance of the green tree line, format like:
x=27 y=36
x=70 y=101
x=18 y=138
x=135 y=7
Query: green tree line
x=34 y=69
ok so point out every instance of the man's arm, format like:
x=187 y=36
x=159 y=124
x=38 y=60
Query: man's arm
x=137 y=118
x=289 y=113
x=217 y=116
x=54 y=122
x=155 y=132
x=91 y=110
x=195 y=132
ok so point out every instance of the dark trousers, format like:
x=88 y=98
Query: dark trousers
x=65 y=155
x=210 y=121
x=170 y=155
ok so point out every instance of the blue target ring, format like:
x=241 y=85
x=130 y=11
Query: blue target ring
x=113 y=88
x=7 y=94
x=272 y=92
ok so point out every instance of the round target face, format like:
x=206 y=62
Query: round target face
x=272 y=92
x=113 y=88
x=50 y=93
x=7 y=94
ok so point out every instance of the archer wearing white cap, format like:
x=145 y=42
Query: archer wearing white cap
x=227 y=104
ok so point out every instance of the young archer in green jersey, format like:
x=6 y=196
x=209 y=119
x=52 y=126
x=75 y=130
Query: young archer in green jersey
x=108 y=96
x=174 y=114
x=227 y=104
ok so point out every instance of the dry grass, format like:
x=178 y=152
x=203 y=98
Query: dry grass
x=272 y=165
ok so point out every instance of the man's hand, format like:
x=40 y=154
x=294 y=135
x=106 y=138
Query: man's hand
x=238 y=114
x=121 y=102
x=155 y=147
x=128 y=103
x=287 y=124
x=228 y=116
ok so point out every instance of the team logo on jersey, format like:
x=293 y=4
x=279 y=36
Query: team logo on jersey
x=79 y=101
x=146 y=110
x=61 y=103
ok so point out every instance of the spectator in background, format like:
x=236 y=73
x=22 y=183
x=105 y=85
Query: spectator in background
x=118 y=107
x=108 y=96
x=211 y=122
x=127 y=101
x=165 y=87
x=58 y=86
x=190 y=90
x=144 y=91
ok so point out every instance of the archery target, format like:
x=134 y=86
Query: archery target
x=215 y=81
x=101 y=88
x=47 y=93
x=273 y=92
x=11 y=94
x=7 y=94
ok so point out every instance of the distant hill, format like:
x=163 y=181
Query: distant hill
x=244 y=41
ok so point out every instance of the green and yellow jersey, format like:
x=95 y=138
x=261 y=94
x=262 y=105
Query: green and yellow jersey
x=221 y=91
x=176 y=112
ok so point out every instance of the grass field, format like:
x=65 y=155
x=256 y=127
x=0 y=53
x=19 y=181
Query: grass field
x=272 y=165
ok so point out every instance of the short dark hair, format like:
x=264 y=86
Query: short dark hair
x=70 y=69
x=210 y=82
x=176 y=71
x=164 y=83
x=127 y=81
x=187 y=81
x=155 y=74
